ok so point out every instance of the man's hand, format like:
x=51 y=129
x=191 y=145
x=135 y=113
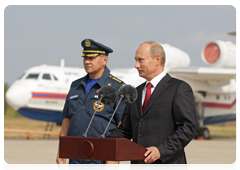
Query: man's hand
x=60 y=160
x=111 y=165
x=152 y=155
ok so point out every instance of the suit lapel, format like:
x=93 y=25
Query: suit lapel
x=139 y=99
x=161 y=86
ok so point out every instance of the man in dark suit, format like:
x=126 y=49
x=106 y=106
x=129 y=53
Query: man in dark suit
x=163 y=118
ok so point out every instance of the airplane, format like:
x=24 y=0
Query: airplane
x=41 y=91
x=214 y=87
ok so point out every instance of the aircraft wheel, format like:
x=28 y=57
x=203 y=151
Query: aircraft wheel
x=204 y=132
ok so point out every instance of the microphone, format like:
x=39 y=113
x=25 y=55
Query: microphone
x=107 y=96
x=127 y=95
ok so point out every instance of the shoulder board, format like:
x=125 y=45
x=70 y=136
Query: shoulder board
x=115 y=79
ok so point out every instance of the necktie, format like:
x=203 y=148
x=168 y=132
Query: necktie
x=147 y=96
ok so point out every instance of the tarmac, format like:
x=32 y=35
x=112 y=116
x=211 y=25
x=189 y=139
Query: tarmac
x=44 y=151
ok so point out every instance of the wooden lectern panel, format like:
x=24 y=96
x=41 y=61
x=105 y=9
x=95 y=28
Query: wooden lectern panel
x=115 y=149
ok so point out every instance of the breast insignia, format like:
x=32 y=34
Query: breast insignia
x=98 y=107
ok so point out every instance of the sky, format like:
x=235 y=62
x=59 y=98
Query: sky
x=37 y=34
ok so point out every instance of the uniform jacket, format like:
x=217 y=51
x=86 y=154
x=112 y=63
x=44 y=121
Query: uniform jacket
x=168 y=122
x=80 y=109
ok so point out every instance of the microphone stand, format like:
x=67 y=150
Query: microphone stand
x=103 y=163
x=85 y=134
x=103 y=135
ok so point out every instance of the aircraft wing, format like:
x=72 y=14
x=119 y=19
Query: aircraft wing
x=204 y=73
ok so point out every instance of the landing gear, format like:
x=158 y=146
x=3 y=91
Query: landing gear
x=48 y=127
x=202 y=133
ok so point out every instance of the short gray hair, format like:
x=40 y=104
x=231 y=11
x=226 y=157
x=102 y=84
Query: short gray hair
x=156 y=49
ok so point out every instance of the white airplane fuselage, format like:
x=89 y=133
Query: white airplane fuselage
x=41 y=92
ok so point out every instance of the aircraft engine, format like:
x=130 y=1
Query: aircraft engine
x=175 y=57
x=220 y=54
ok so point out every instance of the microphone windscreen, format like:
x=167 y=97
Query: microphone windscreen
x=130 y=94
x=108 y=94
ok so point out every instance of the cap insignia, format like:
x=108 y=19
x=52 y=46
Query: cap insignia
x=87 y=42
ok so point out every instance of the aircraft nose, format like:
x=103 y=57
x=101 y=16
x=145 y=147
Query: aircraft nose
x=18 y=96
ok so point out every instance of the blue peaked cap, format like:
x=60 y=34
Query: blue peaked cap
x=92 y=48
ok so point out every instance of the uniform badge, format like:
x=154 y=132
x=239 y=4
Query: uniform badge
x=73 y=97
x=109 y=84
x=99 y=107
x=87 y=43
x=96 y=95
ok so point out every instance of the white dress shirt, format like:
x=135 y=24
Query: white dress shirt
x=154 y=83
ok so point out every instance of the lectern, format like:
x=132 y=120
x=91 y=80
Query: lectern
x=112 y=149
x=91 y=148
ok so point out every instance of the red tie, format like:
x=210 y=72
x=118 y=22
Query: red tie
x=147 y=96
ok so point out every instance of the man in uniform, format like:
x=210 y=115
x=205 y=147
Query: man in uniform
x=82 y=99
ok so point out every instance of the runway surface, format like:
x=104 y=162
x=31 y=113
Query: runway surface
x=44 y=151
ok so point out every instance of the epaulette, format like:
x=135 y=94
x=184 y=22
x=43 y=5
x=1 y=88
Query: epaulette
x=115 y=79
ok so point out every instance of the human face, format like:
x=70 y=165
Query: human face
x=95 y=66
x=145 y=64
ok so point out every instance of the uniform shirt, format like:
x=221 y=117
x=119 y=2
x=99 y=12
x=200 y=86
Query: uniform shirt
x=154 y=83
x=80 y=111
x=90 y=83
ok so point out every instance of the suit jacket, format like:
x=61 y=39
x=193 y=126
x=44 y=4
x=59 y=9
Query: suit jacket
x=169 y=120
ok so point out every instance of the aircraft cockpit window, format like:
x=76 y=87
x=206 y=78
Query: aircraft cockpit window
x=32 y=76
x=55 y=78
x=46 y=77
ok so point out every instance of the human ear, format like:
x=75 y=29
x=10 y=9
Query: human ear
x=158 y=59
x=105 y=59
